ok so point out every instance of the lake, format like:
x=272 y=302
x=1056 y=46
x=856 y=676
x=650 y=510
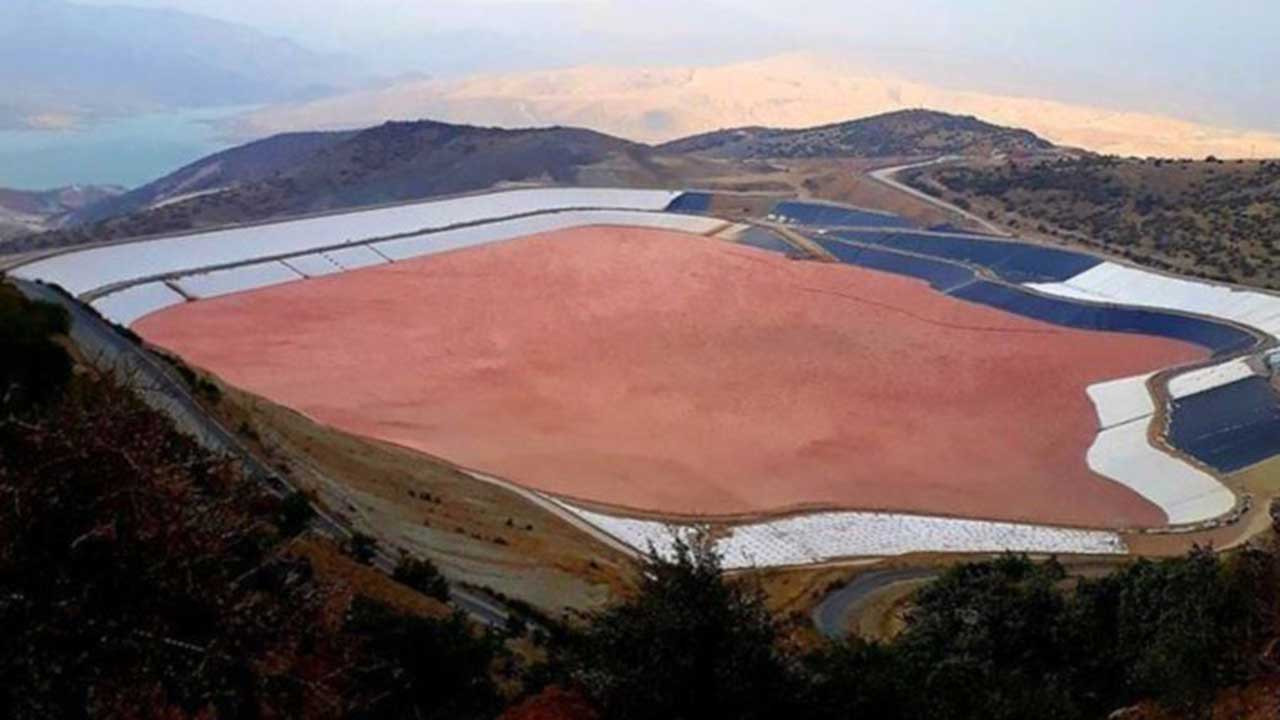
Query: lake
x=127 y=151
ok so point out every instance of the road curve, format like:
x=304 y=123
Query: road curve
x=832 y=615
x=885 y=176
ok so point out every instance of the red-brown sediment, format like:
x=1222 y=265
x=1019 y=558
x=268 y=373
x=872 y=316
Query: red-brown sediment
x=671 y=373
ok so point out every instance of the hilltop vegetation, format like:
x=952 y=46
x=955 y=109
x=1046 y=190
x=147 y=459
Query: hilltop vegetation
x=897 y=134
x=1214 y=219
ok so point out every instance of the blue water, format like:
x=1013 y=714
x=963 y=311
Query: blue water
x=127 y=151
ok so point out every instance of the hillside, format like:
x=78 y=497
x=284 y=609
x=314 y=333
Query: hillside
x=298 y=174
x=1214 y=219
x=27 y=211
x=253 y=162
x=902 y=133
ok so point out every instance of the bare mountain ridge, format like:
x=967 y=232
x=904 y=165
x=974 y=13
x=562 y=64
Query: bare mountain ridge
x=63 y=63
x=400 y=161
x=662 y=103
x=27 y=211
x=300 y=174
x=253 y=162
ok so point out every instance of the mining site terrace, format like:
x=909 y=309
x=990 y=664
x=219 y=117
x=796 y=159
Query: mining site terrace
x=816 y=382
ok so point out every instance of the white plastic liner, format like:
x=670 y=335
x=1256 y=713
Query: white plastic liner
x=134 y=303
x=237 y=279
x=354 y=257
x=1214 y=376
x=445 y=241
x=1184 y=492
x=1123 y=452
x=1120 y=284
x=95 y=268
x=1121 y=401
x=821 y=537
x=315 y=265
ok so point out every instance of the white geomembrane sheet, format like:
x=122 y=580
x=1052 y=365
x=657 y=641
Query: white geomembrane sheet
x=430 y=244
x=1123 y=452
x=1214 y=376
x=1123 y=285
x=1185 y=493
x=354 y=257
x=1121 y=401
x=237 y=279
x=95 y=268
x=131 y=304
x=821 y=537
x=314 y=265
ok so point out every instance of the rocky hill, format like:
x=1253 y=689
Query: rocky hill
x=27 y=211
x=254 y=162
x=1211 y=218
x=903 y=133
x=306 y=173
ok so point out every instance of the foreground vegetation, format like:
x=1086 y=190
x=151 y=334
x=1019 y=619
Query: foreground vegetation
x=1209 y=218
x=142 y=577
x=1008 y=638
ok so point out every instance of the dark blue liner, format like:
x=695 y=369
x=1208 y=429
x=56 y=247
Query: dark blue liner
x=1012 y=261
x=822 y=215
x=766 y=240
x=961 y=282
x=690 y=203
x=1228 y=428
x=1219 y=338
x=941 y=275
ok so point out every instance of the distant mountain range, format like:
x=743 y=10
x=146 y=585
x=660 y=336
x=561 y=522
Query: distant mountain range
x=63 y=63
x=661 y=103
x=302 y=173
x=23 y=212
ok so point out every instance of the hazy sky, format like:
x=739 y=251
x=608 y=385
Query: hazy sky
x=1206 y=61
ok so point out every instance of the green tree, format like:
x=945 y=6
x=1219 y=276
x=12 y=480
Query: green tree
x=420 y=667
x=854 y=678
x=33 y=366
x=422 y=575
x=362 y=547
x=689 y=645
x=983 y=641
x=295 y=514
x=1175 y=630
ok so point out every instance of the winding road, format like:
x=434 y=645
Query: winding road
x=832 y=616
x=885 y=176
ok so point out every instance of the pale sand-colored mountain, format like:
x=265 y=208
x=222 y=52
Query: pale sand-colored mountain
x=658 y=104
